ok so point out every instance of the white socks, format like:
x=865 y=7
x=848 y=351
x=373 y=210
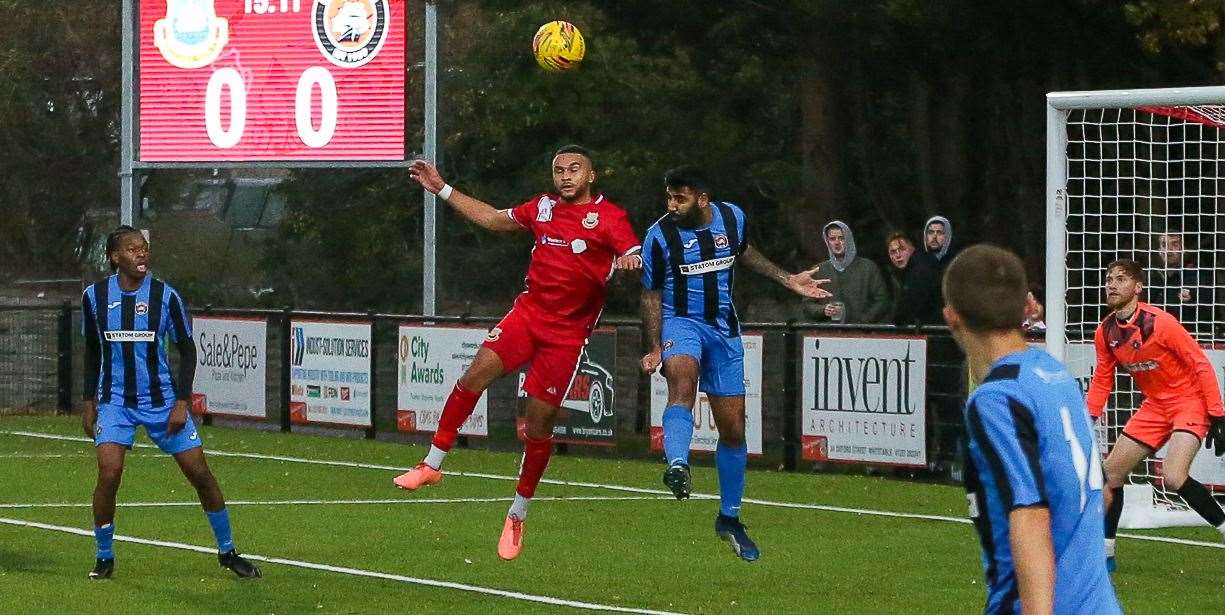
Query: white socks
x=434 y=457
x=518 y=508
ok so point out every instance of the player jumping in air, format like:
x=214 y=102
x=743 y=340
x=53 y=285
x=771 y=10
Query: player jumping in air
x=581 y=238
x=1182 y=402
x=128 y=383
x=694 y=333
x=1033 y=473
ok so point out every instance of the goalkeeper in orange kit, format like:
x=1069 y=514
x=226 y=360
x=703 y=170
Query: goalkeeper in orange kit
x=1182 y=402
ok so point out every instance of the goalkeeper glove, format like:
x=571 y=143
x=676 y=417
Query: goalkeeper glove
x=1216 y=435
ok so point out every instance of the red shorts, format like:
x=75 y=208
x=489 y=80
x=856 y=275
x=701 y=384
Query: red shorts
x=1152 y=424
x=519 y=339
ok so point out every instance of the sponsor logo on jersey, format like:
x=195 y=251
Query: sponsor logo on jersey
x=131 y=336
x=142 y=308
x=544 y=209
x=714 y=264
x=720 y=241
x=350 y=33
x=553 y=241
x=493 y=334
x=191 y=35
x=578 y=246
x=592 y=219
x=1141 y=366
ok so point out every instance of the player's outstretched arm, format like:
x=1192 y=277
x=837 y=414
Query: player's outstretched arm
x=479 y=212
x=800 y=283
x=651 y=305
x=1033 y=556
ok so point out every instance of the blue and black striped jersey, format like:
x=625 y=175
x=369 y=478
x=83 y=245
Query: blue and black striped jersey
x=130 y=326
x=695 y=268
x=1030 y=443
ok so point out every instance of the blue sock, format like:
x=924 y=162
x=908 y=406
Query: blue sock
x=105 y=537
x=220 y=521
x=678 y=431
x=731 y=463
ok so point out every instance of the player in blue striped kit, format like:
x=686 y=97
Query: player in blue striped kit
x=128 y=383
x=1033 y=471
x=688 y=274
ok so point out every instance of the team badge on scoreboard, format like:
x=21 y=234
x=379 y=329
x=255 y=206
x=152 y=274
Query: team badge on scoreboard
x=191 y=35
x=349 y=33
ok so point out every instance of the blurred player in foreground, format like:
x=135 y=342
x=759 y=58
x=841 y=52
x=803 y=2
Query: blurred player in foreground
x=1033 y=474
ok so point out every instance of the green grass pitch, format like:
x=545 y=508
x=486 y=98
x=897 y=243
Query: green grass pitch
x=627 y=548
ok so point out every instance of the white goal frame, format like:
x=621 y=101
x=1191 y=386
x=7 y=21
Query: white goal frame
x=1141 y=508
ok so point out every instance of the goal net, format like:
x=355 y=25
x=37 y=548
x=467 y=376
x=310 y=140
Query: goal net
x=1138 y=175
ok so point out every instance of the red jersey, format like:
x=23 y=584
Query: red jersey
x=572 y=261
x=1166 y=363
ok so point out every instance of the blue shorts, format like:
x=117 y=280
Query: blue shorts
x=117 y=424
x=720 y=358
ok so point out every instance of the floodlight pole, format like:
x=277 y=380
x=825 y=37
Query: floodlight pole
x=430 y=152
x=128 y=192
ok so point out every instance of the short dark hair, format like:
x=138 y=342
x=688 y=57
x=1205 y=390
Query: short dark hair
x=1130 y=267
x=898 y=236
x=574 y=148
x=986 y=286
x=687 y=176
x=113 y=239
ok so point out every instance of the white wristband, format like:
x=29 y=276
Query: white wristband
x=445 y=193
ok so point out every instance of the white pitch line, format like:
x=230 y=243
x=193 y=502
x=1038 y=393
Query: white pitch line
x=81 y=455
x=623 y=488
x=592 y=606
x=577 y=498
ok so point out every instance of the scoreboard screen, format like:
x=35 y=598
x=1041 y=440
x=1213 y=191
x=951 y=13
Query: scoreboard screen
x=271 y=80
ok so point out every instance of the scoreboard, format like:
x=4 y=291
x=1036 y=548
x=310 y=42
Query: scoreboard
x=271 y=80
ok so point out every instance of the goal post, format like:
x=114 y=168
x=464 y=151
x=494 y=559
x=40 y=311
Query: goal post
x=1137 y=174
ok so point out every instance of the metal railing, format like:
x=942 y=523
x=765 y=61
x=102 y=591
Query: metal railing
x=40 y=372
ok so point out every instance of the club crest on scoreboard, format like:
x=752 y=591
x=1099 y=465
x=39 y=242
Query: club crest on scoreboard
x=350 y=33
x=191 y=35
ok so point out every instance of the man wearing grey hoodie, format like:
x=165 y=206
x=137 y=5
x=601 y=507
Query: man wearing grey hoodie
x=937 y=242
x=859 y=291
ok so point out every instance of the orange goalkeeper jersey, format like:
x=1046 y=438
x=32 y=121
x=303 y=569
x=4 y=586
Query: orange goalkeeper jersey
x=1163 y=359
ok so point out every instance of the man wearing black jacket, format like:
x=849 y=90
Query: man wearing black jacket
x=915 y=284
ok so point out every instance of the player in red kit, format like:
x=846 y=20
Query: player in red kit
x=581 y=239
x=1182 y=402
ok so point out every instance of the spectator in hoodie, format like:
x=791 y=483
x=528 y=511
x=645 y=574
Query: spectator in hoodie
x=859 y=291
x=938 y=241
x=914 y=284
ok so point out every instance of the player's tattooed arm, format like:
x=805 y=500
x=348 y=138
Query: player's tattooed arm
x=800 y=283
x=651 y=305
x=475 y=210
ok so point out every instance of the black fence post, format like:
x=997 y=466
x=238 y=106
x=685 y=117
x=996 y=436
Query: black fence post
x=791 y=399
x=374 y=382
x=63 y=369
x=286 y=344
